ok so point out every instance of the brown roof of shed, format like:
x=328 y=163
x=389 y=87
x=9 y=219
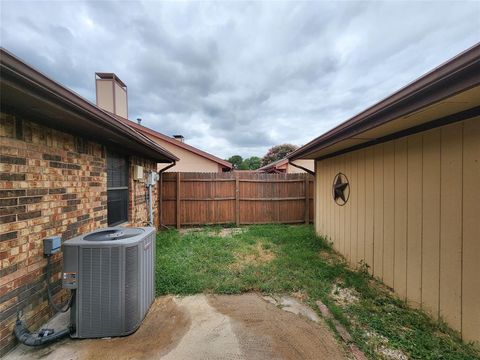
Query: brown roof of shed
x=34 y=95
x=274 y=164
x=459 y=74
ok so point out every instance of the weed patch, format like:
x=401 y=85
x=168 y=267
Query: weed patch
x=255 y=255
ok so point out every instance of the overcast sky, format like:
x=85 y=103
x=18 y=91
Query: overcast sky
x=237 y=78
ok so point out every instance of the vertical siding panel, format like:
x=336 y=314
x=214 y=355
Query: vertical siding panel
x=347 y=210
x=328 y=199
x=369 y=208
x=333 y=207
x=341 y=211
x=389 y=213
x=401 y=196
x=333 y=215
x=354 y=210
x=414 y=221
x=451 y=224
x=360 y=236
x=339 y=241
x=322 y=198
x=318 y=199
x=378 y=211
x=431 y=222
x=319 y=225
x=471 y=231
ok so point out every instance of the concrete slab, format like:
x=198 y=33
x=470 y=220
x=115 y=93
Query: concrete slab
x=233 y=327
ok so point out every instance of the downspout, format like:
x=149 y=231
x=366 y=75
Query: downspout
x=160 y=173
x=301 y=167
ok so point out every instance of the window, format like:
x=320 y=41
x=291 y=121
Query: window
x=117 y=188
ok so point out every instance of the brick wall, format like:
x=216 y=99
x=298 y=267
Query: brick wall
x=51 y=183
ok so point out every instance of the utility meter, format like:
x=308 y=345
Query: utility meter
x=152 y=178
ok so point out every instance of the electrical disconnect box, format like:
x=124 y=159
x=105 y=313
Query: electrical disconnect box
x=138 y=172
x=51 y=245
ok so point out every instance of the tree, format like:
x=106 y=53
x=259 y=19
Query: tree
x=252 y=163
x=278 y=152
x=236 y=161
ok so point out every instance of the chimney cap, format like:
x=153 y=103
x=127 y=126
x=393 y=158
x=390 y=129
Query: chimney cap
x=179 y=137
x=139 y=121
x=110 y=76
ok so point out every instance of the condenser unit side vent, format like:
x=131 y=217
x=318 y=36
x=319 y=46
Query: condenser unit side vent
x=132 y=310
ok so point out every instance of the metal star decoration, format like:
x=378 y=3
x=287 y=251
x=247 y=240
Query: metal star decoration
x=341 y=189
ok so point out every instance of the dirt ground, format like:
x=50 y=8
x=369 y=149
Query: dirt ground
x=230 y=327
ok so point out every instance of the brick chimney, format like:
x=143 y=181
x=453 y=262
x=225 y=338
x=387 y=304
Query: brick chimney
x=111 y=94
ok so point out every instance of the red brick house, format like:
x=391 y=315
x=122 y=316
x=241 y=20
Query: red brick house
x=66 y=168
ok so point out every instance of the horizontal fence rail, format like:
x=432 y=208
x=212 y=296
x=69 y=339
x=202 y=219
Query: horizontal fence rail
x=189 y=199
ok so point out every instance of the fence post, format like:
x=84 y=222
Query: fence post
x=237 y=200
x=178 y=201
x=307 y=199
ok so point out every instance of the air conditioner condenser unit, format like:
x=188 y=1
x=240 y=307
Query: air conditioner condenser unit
x=112 y=271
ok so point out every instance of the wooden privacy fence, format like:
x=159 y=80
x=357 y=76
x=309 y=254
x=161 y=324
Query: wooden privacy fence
x=188 y=199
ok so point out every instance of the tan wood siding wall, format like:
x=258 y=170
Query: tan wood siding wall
x=413 y=217
x=189 y=161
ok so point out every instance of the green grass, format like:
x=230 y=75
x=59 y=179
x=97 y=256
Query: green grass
x=203 y=262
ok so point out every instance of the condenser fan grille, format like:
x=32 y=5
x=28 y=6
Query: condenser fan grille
x=113 y=234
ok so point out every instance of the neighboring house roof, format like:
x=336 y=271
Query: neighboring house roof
x=175 y=142
x=283 y=164
x=448 y=93
x=37 y=97
x=273 y=165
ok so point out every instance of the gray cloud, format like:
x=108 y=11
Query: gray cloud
x=241 y=77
